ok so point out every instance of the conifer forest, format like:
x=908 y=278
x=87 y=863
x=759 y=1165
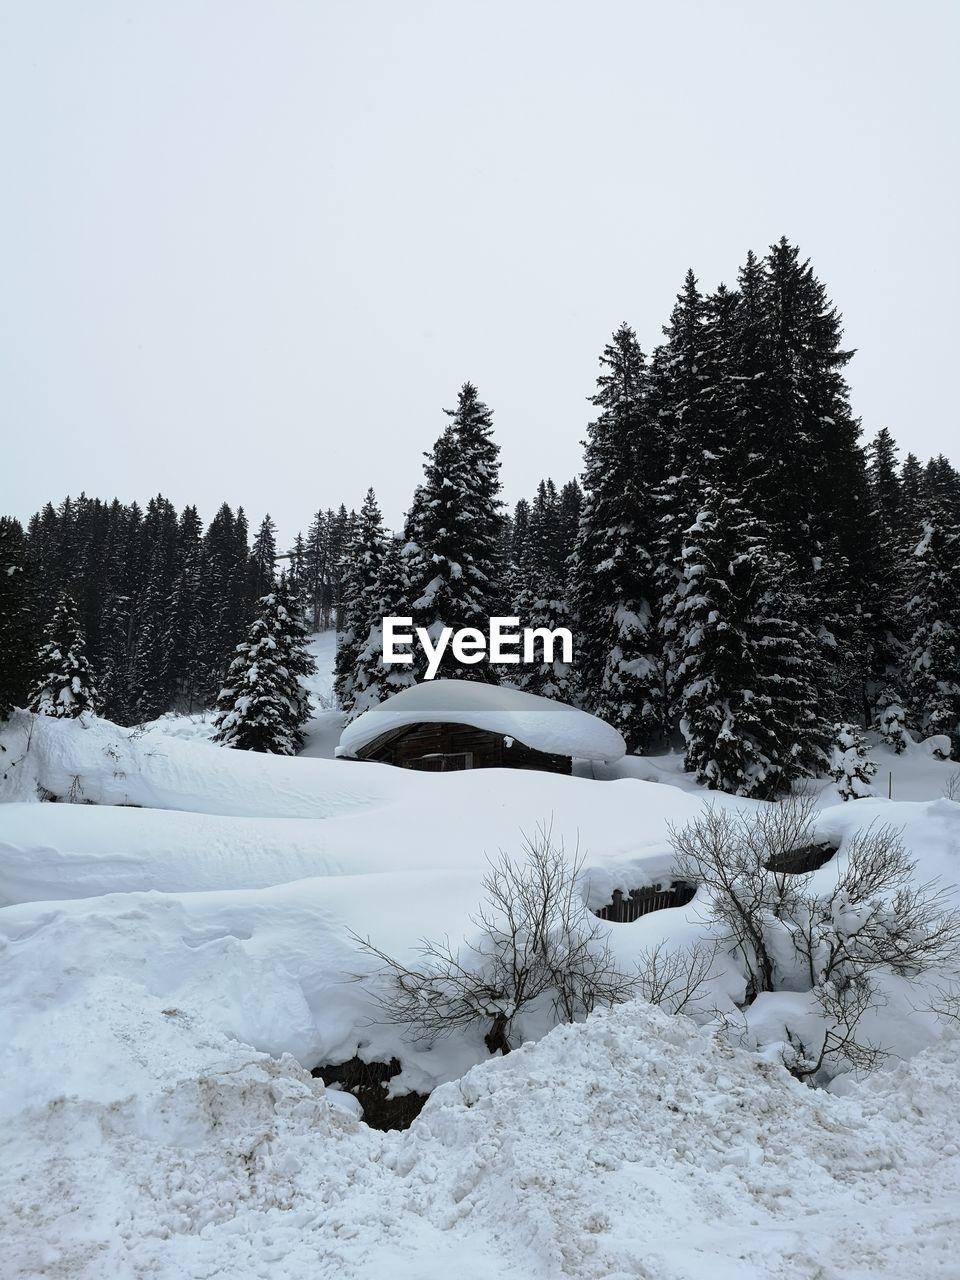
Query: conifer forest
x=752 y=575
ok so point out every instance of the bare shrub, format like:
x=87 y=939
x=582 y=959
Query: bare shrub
x=875 y=917
x=537 y=942
x=676 y=979
x=731 y=853
x=842 y=1006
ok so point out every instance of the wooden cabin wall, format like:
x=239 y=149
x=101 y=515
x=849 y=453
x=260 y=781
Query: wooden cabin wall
x=405 y=747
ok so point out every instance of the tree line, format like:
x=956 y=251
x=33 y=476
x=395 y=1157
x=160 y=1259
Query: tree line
x=160 y=601
x=741 y=573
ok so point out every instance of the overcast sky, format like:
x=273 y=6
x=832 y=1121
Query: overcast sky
x=249 y=251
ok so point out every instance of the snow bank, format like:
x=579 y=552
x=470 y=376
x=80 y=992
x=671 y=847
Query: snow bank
x=540 y=723
x=169 y=971
x=219 y=819
x=633 y=1147
x=92 y=760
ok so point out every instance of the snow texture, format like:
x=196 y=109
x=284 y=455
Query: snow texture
x=172 y=972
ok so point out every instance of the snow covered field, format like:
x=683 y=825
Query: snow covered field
x=171 y=972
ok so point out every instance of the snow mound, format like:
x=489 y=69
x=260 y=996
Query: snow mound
x=539 y=723
x=90 y=760
x=628 y=1148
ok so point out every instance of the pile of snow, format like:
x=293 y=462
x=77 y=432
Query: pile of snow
x=540 y=723
x=633 y=1146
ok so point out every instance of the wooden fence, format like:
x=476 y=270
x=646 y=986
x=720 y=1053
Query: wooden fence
x=798 y=862
x=625 y=908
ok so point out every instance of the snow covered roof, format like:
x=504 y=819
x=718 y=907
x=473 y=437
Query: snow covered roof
x=539 y=723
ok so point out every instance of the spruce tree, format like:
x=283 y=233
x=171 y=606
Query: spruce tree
x=613 y=569
x=263 y=705
x=186 y=616
x=314 y=569
x=374 y=681
x=744 y=685
x=851 y=767
x=933 y=658
x=885 y=595
x=64 y=686
x=541 y=596
x=16 y=617
x=263 y=558
x=453 y=533
x=363 y=558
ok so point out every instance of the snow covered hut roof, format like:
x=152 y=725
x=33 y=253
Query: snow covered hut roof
x=539 y=723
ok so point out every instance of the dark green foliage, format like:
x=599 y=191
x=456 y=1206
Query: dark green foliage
x=373 y=681
x=745 y=694
x=263 y=704
x=363 y=559
x=540 y=598
x=64 y=685
x=613 y=574
x=933 y=659
x=17 y=629
x=453 y=533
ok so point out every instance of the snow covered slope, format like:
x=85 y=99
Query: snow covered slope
x=158 y=963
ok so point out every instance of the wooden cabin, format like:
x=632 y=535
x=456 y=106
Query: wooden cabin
x=444 y=747
x=445 y=726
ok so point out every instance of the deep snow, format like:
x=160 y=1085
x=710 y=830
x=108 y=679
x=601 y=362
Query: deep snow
x=169 y=971
x=540 y=723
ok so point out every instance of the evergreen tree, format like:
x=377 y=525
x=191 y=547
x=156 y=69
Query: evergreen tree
x=297 y=557
x=613 y=570
x=186 y=616
x=541 y=598
x=891 y=722
x=374 y=681
x=150 y=677
x=814 y=486
x=453 y=533
x=16 y=618
x=933 y=660
x=263 y=558
x=745 y=695
x=884 y=599
x=851 y=767
x=364 y=558
x=342 y=530
x=913 y=505
x=64 y=686
x=263 y=704
x=118 y=624
x=315 y=567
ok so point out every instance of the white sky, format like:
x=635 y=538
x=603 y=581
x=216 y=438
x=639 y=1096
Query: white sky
x=249 y=251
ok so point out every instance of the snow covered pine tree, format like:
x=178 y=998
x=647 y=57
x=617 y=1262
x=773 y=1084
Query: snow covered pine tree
x=364 y=557
x=453 y=534
x=851 y=766
x=64 y=687
x=263 y=705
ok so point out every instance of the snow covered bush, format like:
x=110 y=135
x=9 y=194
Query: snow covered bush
x=65 y=685
x=792 y=937
x=851 y=767
x=537 y=945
